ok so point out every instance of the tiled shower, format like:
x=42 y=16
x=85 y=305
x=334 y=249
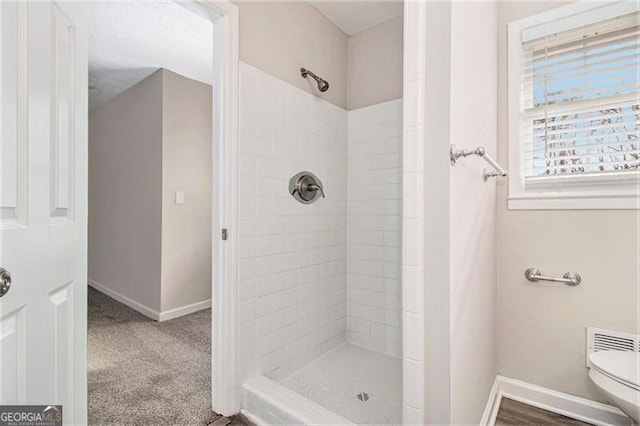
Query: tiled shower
x=374 y=220
x=319 y=284
x=293 y=266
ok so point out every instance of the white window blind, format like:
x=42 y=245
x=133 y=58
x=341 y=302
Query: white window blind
x=580 y=103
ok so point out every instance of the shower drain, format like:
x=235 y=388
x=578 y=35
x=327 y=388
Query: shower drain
x=363 y=396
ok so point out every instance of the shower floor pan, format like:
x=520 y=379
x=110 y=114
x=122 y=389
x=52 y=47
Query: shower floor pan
x=347 y=386
x=358 y=384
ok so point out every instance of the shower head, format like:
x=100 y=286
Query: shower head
x=323 y=85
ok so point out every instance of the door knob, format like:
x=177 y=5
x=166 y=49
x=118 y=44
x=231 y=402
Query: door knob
x=5 y=281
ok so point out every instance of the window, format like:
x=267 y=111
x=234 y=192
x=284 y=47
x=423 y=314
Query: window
x=575 y=108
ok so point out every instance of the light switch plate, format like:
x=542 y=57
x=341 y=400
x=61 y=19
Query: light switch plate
x=179 y=197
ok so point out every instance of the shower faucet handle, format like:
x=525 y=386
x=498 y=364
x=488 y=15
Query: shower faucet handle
x=314 y=187
x=305 y=187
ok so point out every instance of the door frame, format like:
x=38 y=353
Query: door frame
x=224 y=16
x=224 y=387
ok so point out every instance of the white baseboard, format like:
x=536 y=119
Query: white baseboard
x=571 y=406
x=184 y=310
x=493 y=404
x=143 y=309
x=147 y=311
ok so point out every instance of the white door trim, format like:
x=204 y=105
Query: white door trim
x=224 y=386
x=225 y=398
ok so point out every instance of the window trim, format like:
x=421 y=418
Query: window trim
x=622 y=196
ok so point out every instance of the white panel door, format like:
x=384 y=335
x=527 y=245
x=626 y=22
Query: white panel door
x=43 y=205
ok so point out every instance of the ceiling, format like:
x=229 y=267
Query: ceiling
x=128 y=41
x=353 y=17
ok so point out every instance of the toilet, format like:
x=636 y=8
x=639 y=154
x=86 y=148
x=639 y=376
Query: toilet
x=617 y=375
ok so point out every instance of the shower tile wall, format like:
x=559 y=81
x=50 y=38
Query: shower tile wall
x=374 y=219
x=292 y=257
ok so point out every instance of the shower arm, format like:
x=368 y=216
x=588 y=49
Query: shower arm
x=305 y=72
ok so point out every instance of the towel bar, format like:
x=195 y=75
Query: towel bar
x=570 y=278
x=455 y=153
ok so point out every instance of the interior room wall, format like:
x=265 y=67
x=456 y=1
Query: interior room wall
x=541 y=326
x=374 y=70
x=281 y=37
x=144 y=249
x=186 y=167
x=374 y=222
x=473 y=210
x=292 y=256
x=125 y=195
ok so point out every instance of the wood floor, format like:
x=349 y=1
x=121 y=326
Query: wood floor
x=516 y=413
x=511 y=413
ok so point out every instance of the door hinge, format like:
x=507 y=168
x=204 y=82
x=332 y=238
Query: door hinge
x=224 y=234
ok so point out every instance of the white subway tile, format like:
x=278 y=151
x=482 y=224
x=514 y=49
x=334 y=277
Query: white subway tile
x=374 y=225
x=294 y=257
x=247 y=333
x=247 y=290
x=247 y=311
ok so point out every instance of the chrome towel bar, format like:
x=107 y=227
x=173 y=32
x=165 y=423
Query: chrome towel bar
x=570 y=278
x=455 y=153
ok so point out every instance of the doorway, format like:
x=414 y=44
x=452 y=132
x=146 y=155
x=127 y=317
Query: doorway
x=151 y=143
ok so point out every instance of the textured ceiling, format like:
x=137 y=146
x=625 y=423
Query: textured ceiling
x=128 y=41
x=353 y=17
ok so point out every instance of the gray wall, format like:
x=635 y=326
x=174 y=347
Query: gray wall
x=145 y=144
x=186 y=166
x=125 y=199
x=541 y=336
x=374 y=72
x=280 y=37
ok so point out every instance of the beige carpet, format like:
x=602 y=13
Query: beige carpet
x=142 y=372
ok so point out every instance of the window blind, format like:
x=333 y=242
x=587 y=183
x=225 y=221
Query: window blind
x=580 y=102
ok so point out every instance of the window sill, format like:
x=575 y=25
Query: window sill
x=575 y=201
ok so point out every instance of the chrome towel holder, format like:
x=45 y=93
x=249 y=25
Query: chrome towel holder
x=455 y=153
x=570 y=278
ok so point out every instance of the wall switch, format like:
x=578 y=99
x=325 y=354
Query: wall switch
x=179 y=197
